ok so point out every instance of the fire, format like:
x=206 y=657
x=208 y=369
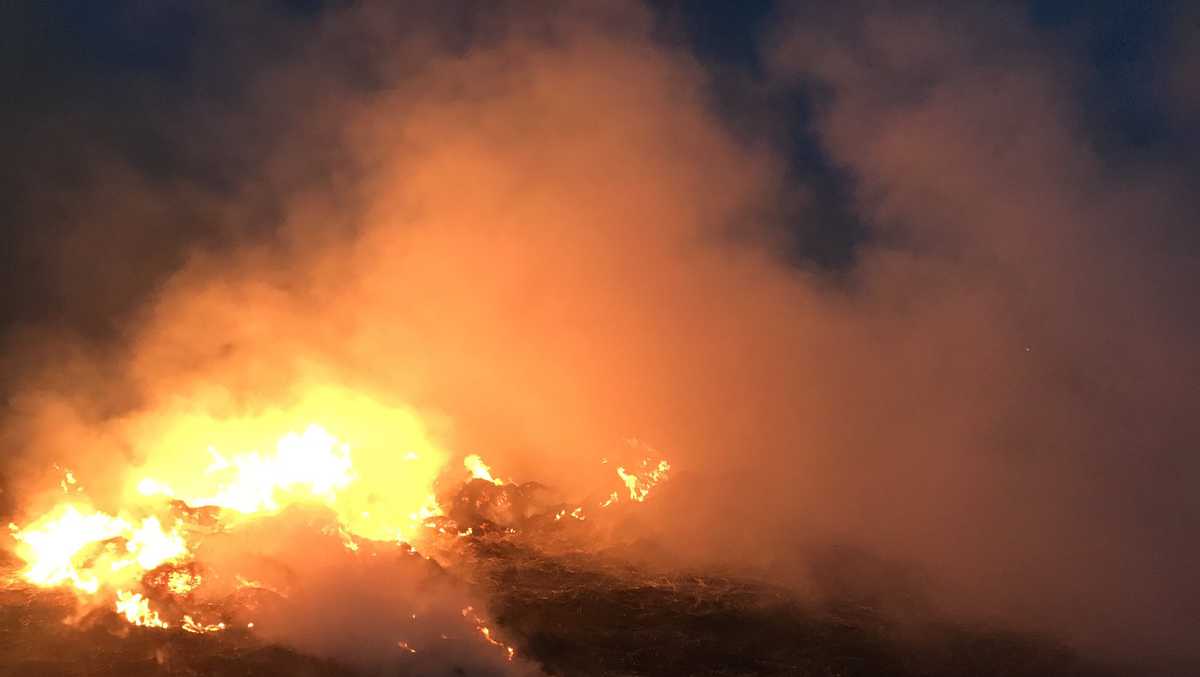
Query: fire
x=136 y=609
x=191 y=625
x=74 y=544
x=152 y=546
x=376 y=474
x=181 y=583
x=486 y=632
x=640 y=483
x=312 y=463
x=480 y=470
x=371 y=465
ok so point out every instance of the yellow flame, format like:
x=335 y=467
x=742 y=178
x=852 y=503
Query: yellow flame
x=639 y=484
x=372 y=464
x=54 y=545
x=136 y=609
x=480 y=470
x=377 y=475
x=152 y=546
x=65 y=547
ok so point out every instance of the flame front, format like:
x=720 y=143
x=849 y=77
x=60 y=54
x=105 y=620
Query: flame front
x=380 y=488
x=371 y=466
x=77 y=545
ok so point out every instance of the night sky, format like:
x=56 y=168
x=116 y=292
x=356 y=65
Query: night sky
x=118 y=75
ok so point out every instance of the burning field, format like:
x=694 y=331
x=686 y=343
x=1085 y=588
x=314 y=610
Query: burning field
x=272 y=565
x=595 y=338
x=299 y=541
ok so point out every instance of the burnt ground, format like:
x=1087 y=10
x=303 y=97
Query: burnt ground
x=580 y=619
x=574 y=615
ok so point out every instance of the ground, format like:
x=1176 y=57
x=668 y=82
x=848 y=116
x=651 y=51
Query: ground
x=573 y=614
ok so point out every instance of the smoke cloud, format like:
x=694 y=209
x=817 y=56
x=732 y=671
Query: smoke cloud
x=542 y=236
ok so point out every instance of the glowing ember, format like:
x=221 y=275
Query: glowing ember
x=190 y=625
x=183 y=582
x=486 y=632
x=577 y=513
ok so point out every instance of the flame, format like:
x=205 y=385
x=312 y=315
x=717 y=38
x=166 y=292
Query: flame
x=639 y=484
x=181 y=583
x=376 y=475
x=480 y=470
x=372 y=464
x=577 y=513
x=313 y=462
x=486 y=632
x=136 y=609
x=68 y=545
x=152 y=546
x=191 y=625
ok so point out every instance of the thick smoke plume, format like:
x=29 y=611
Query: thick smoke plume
x=541 y=236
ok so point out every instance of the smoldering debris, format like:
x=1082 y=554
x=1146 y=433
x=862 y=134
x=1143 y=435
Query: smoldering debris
x=567 y=609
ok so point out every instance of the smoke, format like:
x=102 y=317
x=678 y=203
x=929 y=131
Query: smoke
x=540 y=234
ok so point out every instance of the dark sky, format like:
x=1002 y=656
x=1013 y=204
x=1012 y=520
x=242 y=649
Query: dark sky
x=120 y=76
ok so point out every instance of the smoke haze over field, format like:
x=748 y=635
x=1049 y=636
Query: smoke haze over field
x=544 y=234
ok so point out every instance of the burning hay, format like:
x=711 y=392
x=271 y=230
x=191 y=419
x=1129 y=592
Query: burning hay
x=498 y=571
x=574 y=614
x=261 y=549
